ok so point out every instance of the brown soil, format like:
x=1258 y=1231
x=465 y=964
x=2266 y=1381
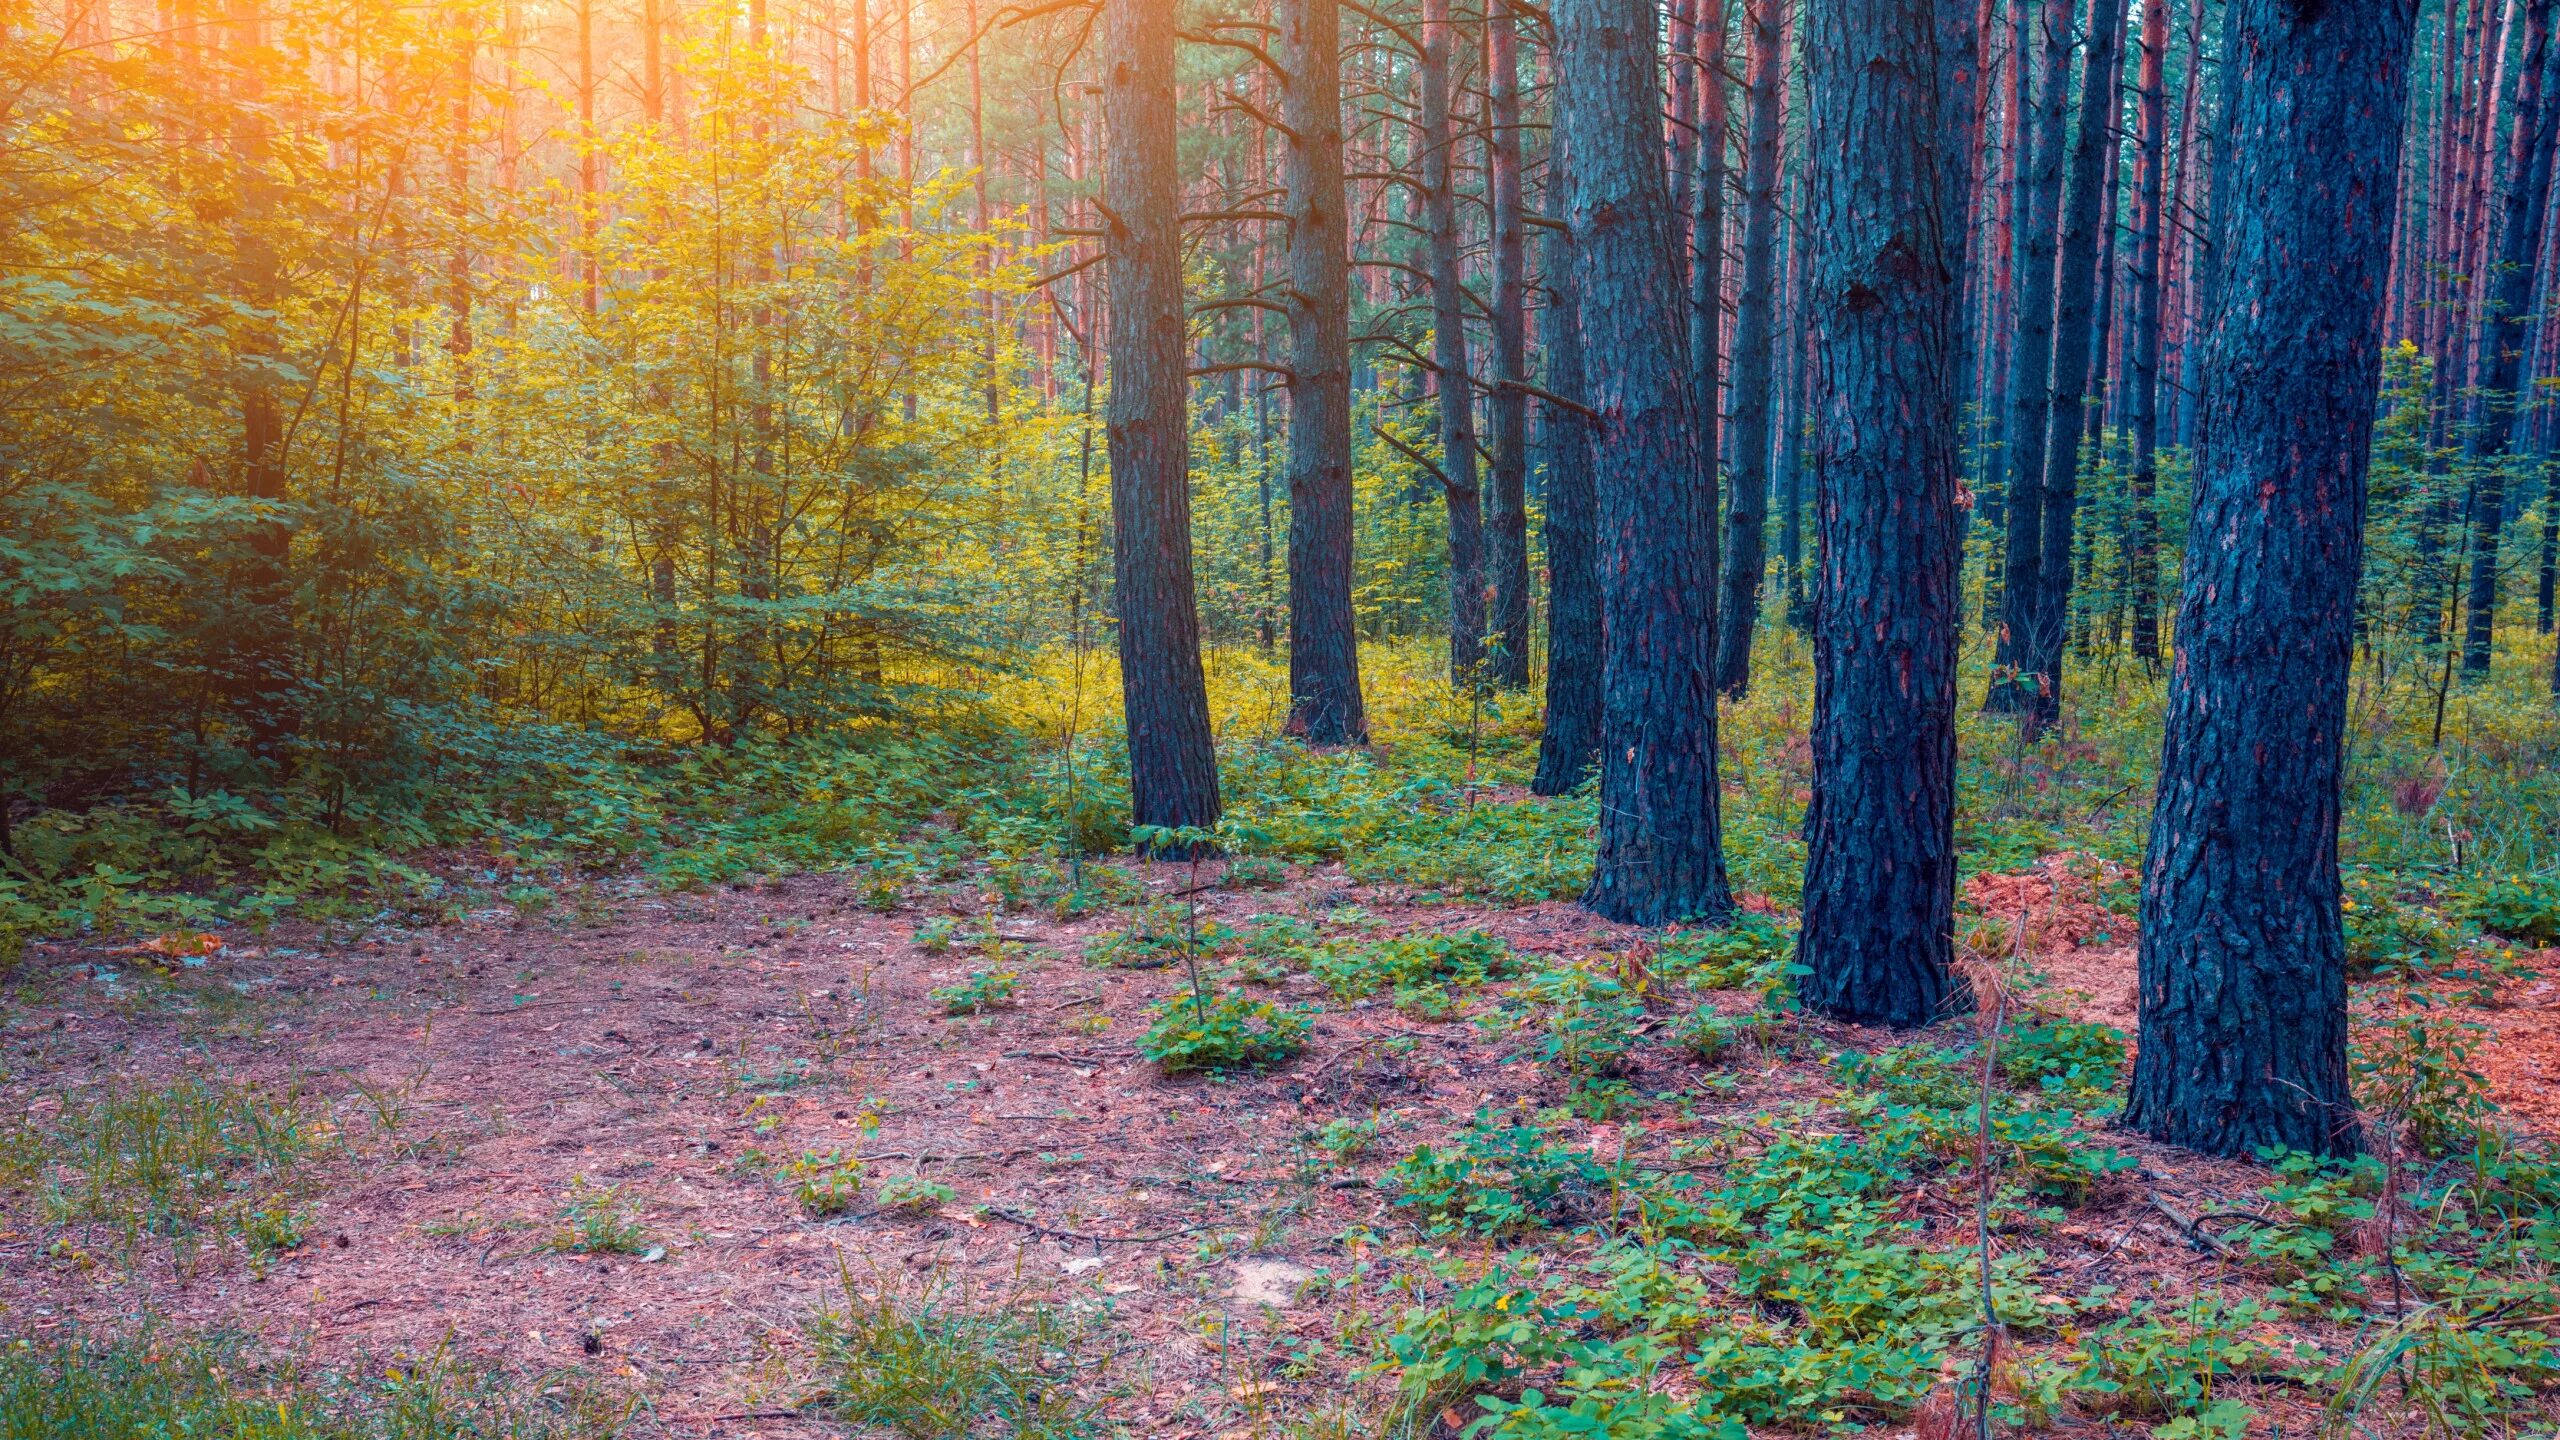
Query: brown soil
x=625 y=1045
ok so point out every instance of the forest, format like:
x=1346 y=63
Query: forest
x=1279 y=719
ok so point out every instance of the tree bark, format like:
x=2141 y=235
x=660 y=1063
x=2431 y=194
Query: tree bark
x=2504 y=321
x=2031 y=368
x=2242 y=991
x=1706 y=251
x=1886 y=243
x=1506 y=534
x=1173 y=770
x=1571 y=739
x=261 y=645
x=1746 y=553
x=2143 y=344
x=2074 y=313
x=1324 y=647
x=1661 y=854
x=1449 y=353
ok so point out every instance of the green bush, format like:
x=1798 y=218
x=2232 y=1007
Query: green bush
x=1230 y=1031
x=2523 y=908
x=1501 y=1176
x=984 y=990
x=2066 y=1055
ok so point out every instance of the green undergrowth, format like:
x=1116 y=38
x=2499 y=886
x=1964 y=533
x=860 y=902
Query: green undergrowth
x=933 y=1358
x=156 y=1386
x=189 y=1166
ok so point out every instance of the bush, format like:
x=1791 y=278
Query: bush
x=1232 y=1031
x=824 y=1182
x=2524 y=908
x=983 y=990
x=2063 y=1055
x=1500 y=1177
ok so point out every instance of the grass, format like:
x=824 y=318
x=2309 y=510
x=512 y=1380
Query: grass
x=932 y=1359
x=185 y=1162
x=154 y=1387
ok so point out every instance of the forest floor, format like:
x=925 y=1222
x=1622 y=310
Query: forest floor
x=562 y=1140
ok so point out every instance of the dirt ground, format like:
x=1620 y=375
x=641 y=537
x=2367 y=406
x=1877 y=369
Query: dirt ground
x=651 y=1042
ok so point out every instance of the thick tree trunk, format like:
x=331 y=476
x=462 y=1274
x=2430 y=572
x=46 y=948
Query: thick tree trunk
x=1173 y=770
x=2074 y=311
x=1449 y=353
x=1746 y=553
x=1572 y=736
x=1661 y=855
x=261 y=658
x=1506 y=531
x=2031 y=369
x=2143 y=344
x=1791 y=461
x=2505 y=318
x=1879 y=892
x=1324 y=650
x=2243 y=993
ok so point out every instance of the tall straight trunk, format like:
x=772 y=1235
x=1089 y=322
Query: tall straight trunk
x=1706 y=247
x=2009 y=254
x=2546 y=588
x=1173 y=770
x=2031 y=369
x=1457 y=477
x=1791 y=456
x=1571 y=739
x=1887 y=243
x=1746 y=552
x=1661 y=852
x=1680 y=122
x=1324 y=643
x=2242 y=990
x=2143 y=343
x=261 y=662
x=590 y=162
x=2075 y=299
x=1506 y=529
x=2505 y=319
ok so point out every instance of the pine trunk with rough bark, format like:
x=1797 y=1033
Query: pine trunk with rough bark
x=1887 y=243
x=2031 y=364
x=2143 y=344
x=1324 y=645
x=1661 y=854
x=2075 y=302
x=2242 y=978
x=1746 y=551
x=1173 y=769
x=1506 y=525
x=1570 y=741
x=1438 y=138
x=2505 y=320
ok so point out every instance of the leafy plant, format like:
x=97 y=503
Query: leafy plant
x=1230 y=1031
x=824 y=1182
x=984 y=990
x=2064 y=1055
x=914 y=1195
x=1501 y=1176
x=931 y=1360
x=599 y=1220
x=2520 y=907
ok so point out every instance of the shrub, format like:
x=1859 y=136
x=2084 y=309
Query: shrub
x=983 y=990
x=1231 y=1031
x=2063 y=1055
x=2523 y=908
x=600 y=1220
x=1501 y=1177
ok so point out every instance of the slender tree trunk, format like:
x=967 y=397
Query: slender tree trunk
x=1706 y=247
x=2504 y=320
x=2242 y=990
x=1449 y=352
x=1887 y=244
x=1572 y=736
x=1746 y=555
x=262 y=662
x=2143 y=344
x=1661 y=854
x=1324 y=643
x=1507 y=505
x=2076 y=287
x=2031 y=372
x=1173 y=770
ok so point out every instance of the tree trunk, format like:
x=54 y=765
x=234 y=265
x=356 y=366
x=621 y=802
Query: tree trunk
x=261 y=660
x=1507 y=505
x=2031 y=369
x=1324 y=644
x=1661 y=855
x=1706 y=252
x=1571 y=739
x=1746 y=554
x=1886 y=243
x=1173 y=770
x=2243 y=995
x=2504 y=320
x=1449 y=353
x=2076 y=297
x=2143 y=344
